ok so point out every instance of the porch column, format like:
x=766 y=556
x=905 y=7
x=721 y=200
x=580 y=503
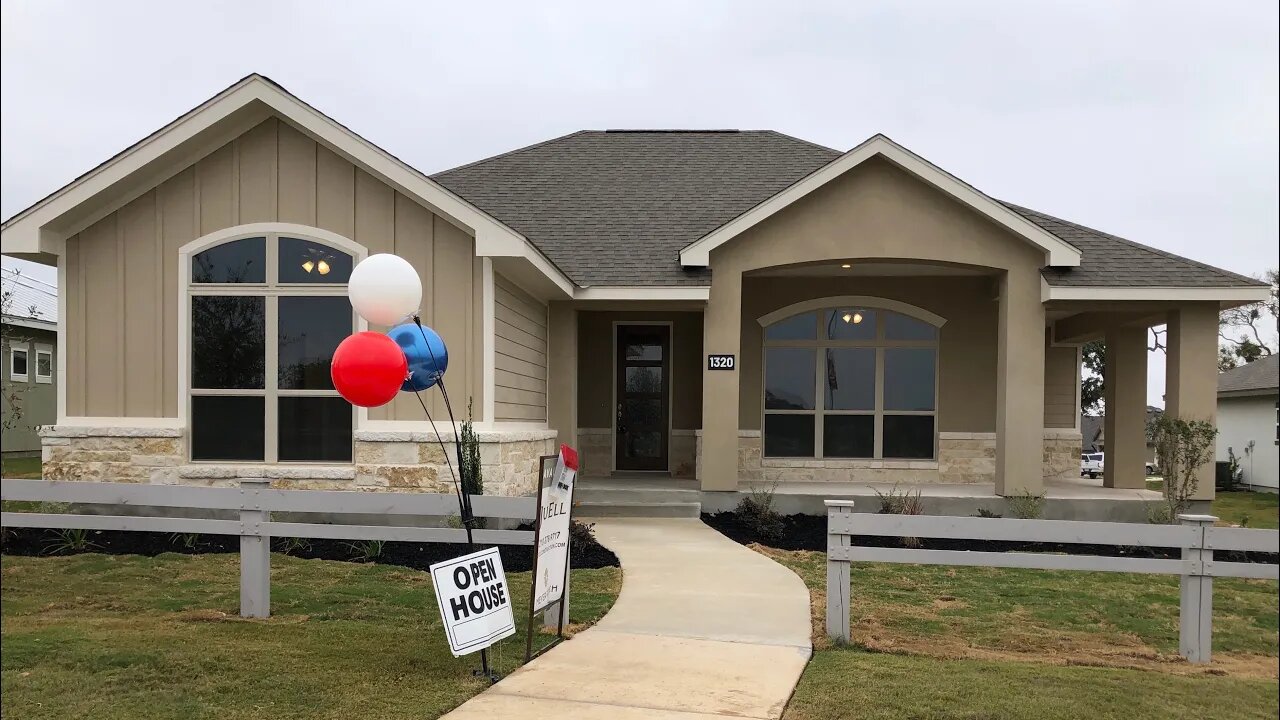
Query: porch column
x=1020 y=386
x=1125 y=394
x=721 y=334
x=562 y=372
x=1191 y=374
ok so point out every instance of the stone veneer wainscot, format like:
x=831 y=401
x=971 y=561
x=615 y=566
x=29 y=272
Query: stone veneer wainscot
x=397 y=460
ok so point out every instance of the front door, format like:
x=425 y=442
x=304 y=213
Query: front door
x=644 y=376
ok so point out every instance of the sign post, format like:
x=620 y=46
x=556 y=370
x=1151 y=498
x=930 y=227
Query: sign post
x=474 y=599
x=551 y=560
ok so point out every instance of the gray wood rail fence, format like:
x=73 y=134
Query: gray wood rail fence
x=254 y=501
x=1195 y=535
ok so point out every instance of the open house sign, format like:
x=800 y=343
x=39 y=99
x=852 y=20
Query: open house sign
x=475 y=601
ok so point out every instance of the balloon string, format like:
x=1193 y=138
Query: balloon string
x=464 y=496
x=443 y=451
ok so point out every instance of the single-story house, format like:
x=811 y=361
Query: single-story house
x=731 y=306
x=1249 y=421
x=28 y=385
x=1093 y=433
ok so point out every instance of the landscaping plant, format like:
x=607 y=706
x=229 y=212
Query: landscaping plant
x=1026 y=506
x=1183 y=446
x=186 y=540
x=366 y=550
x=757 y=513
x=904 y=503
x=291 y=545
x=69 y=540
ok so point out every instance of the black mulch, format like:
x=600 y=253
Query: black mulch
x=586 y=552
x=809 y=532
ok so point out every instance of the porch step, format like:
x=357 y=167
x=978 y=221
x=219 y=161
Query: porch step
x=599 y=509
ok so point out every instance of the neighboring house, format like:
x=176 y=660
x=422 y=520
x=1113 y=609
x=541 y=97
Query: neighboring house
x=1249 y=420
x=1093 y=435
x=30 y=331
x=733 y=306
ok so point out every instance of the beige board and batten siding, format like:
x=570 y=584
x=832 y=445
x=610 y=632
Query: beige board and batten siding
x=122 y=271
x=1061 y=378
x=520 y=354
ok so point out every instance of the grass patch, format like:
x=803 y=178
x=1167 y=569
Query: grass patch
x=23 y=468
x=1252 y=509
x=852 y=683
x=159 y=637
x=1116 y=619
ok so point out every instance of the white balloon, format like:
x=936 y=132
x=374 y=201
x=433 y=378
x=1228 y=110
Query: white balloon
x=384 y=289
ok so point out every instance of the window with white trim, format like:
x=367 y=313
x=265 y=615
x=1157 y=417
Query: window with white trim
x=267 y=312
x=19 y=360
x=44 y=364
x=855 y=382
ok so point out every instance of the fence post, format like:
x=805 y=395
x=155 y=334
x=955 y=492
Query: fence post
x=837 y=576
x=1195 y=611
x=255 y=551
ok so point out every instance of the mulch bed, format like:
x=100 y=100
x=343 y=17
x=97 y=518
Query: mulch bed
x=809 y=532
x=586 y=552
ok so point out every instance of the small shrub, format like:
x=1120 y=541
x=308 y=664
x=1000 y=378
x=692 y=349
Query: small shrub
x=904 y=503
x=1182 y=447
x=757 y=513
x=1026 y=505
x=453 y=521
x=366 y=550
x=291 y=545
x=985 y=513
x=69 y=540
x=581 y=535
x=188 y=541
x=1235 y=473
x=1158 y=514
x=1245 y=520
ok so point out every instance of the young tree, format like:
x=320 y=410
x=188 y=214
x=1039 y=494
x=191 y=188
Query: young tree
x=1249 y=331
x=1182 y=446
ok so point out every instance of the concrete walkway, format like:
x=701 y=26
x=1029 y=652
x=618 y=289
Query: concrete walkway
x=704 y=628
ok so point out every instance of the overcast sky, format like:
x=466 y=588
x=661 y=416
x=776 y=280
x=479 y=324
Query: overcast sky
x=1157 y=121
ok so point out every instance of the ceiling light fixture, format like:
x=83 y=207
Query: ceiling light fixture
x=857 y=317
x=322 y=267
x=308 y=266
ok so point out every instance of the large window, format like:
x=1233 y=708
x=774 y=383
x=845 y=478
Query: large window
x=267 y=313
x=850 y=382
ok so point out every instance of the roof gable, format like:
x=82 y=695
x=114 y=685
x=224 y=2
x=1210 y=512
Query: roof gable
x=44 y=227
x=1058 y=252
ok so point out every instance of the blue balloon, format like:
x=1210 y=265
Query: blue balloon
x=424 y=349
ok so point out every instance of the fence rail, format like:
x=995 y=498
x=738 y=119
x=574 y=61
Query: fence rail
x=255 y=500
x=1196 y=536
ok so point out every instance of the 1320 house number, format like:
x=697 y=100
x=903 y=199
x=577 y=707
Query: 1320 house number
x=720 y=362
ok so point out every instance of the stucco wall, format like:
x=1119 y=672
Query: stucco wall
x=520 y=354
x=122 y=272
x=1243 y=419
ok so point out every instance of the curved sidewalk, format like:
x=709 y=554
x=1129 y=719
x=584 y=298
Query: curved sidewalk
x=703 y=628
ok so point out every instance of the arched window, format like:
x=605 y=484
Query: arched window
x=850 y=382
x=266 y=313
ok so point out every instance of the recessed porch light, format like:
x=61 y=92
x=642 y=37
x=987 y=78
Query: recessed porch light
x=846 y=266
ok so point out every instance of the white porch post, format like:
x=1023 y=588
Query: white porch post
x=1020 y=386
x=1125 y=392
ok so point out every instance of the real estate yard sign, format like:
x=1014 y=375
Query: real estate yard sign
x=555 y=502
x=475 y=600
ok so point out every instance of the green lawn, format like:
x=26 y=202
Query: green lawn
x=20 y=468
x=1249 y=509
x=852 y=683
x=133 y=637
x=933 y=641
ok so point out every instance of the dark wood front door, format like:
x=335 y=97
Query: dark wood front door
x=644 y=377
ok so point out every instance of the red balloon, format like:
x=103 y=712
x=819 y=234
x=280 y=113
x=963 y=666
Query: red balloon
x=368 y=369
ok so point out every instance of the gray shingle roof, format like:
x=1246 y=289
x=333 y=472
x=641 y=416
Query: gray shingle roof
x=616 y=207
x=1263 y=374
